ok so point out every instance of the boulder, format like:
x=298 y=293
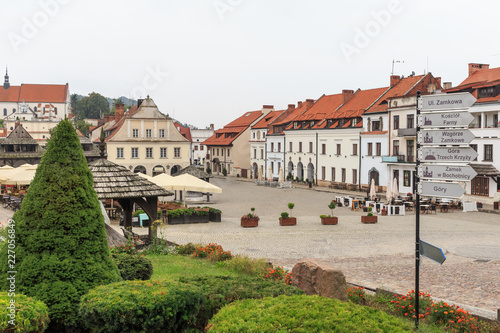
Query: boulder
x=317 y=278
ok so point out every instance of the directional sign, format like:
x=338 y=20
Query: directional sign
x=448 y=154
x=442 y=189
x=446 y=172
x=446 y=119
x=432 y=252
x=447 y=101
x=446 y=137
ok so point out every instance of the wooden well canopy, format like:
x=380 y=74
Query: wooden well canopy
x=116 y=182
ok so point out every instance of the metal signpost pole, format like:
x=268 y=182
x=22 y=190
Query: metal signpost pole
x=417 y=217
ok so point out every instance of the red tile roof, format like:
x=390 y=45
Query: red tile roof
x=226 y=135
x=10 y=95
x=268 y=119
x=402 y=88
x=481 y=76
x=54 y=93
x=356 y=106
x=297 y=112
x=185 y=131
x=326 y=104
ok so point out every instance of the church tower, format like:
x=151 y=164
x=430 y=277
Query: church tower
x=6 y=84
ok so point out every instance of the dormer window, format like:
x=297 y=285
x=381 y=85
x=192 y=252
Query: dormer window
x=486 y=92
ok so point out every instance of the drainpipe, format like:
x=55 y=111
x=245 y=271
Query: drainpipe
x=316 y=168
x=359 y=172
x=284 y=157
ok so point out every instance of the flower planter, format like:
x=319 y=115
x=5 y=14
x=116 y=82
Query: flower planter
x=479 y=205
x=185 y=219
x=249 y=222
x=369 y=219
x=288 y=221
x=495 y=205
x=329 y=220
x=214 y=217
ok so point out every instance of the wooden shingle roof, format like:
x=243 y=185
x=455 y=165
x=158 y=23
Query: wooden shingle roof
x=113 y=181
x=193 y=171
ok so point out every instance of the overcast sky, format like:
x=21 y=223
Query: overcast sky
x=209 y=61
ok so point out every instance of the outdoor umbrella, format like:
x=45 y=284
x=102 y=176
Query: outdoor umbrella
x=270 y=174
x=5 y=171
x=388 y=194
x=261 y=172
x=373 y=193
x=395 y=189
x=281 y=176
x=143 y=175
x=22 y=175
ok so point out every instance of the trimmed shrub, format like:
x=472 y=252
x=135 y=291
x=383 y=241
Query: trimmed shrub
x=188 y=248
x=61 y=246
x=133 y=267
x=140 y=306
x=31 y=315
x=304 y=314
x=246 y=265
x=221 y=290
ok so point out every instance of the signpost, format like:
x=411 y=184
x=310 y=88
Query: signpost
x=459 y=118
x=441 y=116
x=442 y=189
x=446 y=137
x=448 y=154
x=447 y=172
x=447 y=101
x=432 y=252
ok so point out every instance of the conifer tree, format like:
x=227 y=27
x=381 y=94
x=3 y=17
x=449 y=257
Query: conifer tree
x=61 y=246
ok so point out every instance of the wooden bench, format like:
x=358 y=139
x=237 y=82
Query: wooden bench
x=138 y=240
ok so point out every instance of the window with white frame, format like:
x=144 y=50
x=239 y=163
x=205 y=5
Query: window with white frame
x=177 y=152
x=148 y=133
x=161 y=133
x=135 y=152
x=163 y=152
x=119 y=152
x=135 y=132
x=149 y=152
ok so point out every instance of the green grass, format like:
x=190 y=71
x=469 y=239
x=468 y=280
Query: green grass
x=172 y=267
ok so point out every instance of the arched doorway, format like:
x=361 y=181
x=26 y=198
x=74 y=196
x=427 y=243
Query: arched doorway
x=158 y=169
x=255 y=171
x=289 y=170
x=300 y=171
x=140 y=169
x=373 y=174
x=310 y=172
x=175 y=169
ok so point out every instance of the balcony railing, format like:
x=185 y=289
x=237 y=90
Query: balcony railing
x=407 y=132
x=393 y=159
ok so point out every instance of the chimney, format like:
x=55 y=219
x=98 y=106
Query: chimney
x=395 y=79
x=139 y=102
x=309 y=100
x=447 y=85
x=347 y=95
x=268 y=106
x=299 y=104
x=291 y=107
x=119 y=112
x=477 y=67
x=438 y=79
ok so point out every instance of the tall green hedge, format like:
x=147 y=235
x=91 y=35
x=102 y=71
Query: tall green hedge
x=61 y=246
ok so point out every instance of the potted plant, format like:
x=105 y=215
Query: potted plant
x=479 y=204
x=214 y=215
x=286 y=219
x=383 y=211
x=330 y=219
x=369 y=218
x=250 y=220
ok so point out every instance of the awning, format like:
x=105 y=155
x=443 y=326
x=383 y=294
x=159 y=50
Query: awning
x=485 y=169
